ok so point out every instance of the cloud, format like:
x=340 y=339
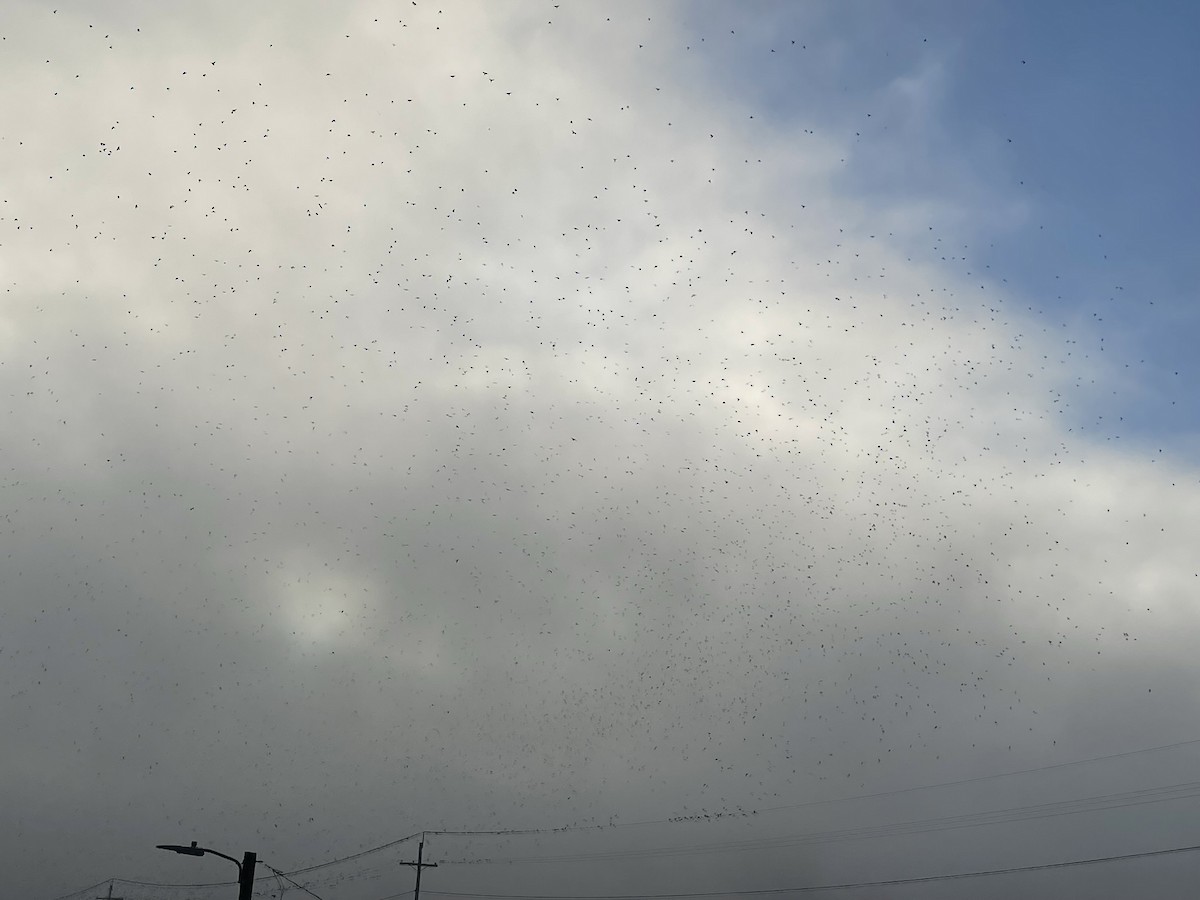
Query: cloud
x=451 y=417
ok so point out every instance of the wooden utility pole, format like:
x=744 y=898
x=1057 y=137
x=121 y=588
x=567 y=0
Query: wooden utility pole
x=109 y=895
x=419 y=865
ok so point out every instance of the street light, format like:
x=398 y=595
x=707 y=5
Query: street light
x=245 y=867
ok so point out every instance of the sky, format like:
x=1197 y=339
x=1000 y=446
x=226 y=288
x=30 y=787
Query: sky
x=682 y=449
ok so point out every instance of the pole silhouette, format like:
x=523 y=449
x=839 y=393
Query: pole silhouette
x=419 y=865
x=245 y=867
x=246 y=875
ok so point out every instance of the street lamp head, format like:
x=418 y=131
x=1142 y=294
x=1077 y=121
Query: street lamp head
x=245 y=867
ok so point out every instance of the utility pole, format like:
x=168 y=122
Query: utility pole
x=109 y=895
x=246 y=875
x=419 y=865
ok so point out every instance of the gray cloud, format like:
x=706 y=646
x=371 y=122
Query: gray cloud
x=433 y=419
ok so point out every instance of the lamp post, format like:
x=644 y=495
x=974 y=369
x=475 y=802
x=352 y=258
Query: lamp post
x=245 y=867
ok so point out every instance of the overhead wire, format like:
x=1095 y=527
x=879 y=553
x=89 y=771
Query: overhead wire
x=358 y=855
x=717 y=816
x=964 y=820
x=513 y=832
x=849 y=885
x=832 y=800
x=302 y=887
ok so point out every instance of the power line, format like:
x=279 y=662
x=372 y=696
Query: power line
x=509 y=832
x=175 y=885
x=179 y=885
x=358 y=855
x=979 y=778
x=826 y=887
x=685 y=818
x=512 y=832
x=89 y=888
x=293 y=881
x=963 y=820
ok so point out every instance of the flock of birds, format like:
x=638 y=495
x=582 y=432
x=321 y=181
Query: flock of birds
x=470 y=421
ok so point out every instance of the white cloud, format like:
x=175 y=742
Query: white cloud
x=501 y=360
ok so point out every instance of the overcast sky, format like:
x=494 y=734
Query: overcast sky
x=505 y=416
